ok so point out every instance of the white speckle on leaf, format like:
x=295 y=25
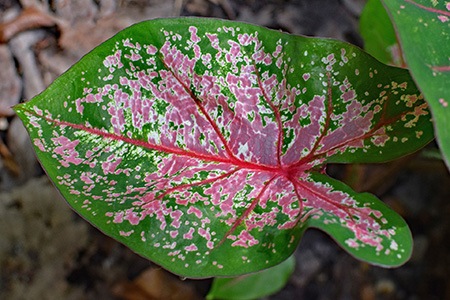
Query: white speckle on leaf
x=394 y=246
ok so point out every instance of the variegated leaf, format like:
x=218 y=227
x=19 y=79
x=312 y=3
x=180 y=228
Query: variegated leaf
x=423 y=30
x=200 y=143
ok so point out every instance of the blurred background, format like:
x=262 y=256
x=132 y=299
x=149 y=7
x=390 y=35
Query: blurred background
x=48 y=252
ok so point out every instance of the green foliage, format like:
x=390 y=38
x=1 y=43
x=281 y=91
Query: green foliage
x=201 y=143
x=253 y=286
x=379 y=34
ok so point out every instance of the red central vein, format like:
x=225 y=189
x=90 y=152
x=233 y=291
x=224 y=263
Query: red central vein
x=200 y=106
x=159 y=148
x=277 y=116
x=433 y=10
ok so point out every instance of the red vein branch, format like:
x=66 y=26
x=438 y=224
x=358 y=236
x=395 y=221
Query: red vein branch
x=248 y=210
x=381 y=123
x=160 y=148
x=329 y=109
x=200 y=106
x=188 y=185
x=276 y=111
x=433 y=10
x=441 y=68
x=300 y=203
x=317 y=194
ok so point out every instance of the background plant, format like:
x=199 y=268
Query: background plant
x=423 y=44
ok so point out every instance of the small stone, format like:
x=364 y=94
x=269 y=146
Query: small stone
x=385 y=287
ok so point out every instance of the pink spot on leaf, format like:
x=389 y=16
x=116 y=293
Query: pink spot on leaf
x=191 y=247
x=194 y=36
x=245 y=239
x=443 y=102
x=443 y=19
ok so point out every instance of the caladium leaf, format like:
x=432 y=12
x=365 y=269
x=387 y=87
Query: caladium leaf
x=423 y=27
x=200 y=143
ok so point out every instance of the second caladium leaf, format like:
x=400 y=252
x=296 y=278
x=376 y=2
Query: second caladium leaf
x=201 y=143
x=423 y=28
